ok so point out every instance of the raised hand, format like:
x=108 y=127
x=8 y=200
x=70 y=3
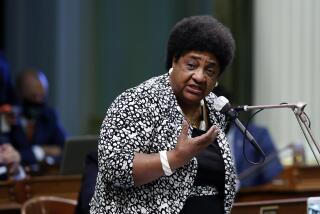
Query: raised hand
x=188 y=147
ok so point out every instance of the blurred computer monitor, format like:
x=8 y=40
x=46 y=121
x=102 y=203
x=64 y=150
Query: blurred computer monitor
x=74 y=153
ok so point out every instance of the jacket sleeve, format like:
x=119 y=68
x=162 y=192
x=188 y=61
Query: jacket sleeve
x=125 y=130
x=20 y=142
x=58 y=134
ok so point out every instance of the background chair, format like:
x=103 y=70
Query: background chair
x=48 y=205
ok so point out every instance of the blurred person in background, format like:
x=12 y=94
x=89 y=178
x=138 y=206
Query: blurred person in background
x=40 y=126
x=7 y=100
x=10 y=158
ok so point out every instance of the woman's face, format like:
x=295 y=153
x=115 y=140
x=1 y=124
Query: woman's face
x=194 y=76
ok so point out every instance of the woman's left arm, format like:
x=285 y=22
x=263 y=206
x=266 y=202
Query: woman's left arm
x=125 y=131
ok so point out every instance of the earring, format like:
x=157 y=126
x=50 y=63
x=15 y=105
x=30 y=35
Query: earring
x=216 y=85
x=170 y=70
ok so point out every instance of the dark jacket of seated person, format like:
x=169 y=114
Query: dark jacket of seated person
x=39 y=124
x=47 y=131
x=268 y=170
x=88 y=183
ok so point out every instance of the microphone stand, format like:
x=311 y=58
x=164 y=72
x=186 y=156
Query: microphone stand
x=302 y=118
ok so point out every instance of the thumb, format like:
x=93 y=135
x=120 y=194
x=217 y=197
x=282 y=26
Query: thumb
x=210 y=135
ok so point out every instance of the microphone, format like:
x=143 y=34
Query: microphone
x=222 y=105
x=298 y=107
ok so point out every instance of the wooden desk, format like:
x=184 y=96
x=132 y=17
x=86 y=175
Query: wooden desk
x=8 y=204
x=282 y=206
x=294 y=182
x=14 y=194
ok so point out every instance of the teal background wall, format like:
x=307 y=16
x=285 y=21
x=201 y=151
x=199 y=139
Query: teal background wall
x=91 y=51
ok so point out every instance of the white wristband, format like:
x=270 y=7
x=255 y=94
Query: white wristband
x=165 y=164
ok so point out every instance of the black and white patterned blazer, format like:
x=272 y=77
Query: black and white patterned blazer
x=147 y=119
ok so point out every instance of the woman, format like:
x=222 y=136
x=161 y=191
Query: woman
x=148 y=161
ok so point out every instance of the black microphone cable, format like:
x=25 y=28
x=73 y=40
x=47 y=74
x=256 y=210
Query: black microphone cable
x=263 y=156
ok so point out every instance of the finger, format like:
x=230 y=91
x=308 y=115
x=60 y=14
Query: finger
x=5 y=146
x=9 y=157
x=184 y=130
x=213 y=132
x=209 y=136
x=4 y=160
x=13 y=168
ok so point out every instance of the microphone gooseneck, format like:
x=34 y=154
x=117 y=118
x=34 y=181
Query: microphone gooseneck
x=298 y=110
x=222 y=105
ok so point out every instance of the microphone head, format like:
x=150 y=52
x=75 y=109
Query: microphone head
x=301 y=105
x=220 y=103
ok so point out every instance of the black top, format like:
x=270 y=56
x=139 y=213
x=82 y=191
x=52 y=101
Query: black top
x=210 y=173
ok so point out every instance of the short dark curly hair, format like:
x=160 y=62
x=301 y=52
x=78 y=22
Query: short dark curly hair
x=201 y=33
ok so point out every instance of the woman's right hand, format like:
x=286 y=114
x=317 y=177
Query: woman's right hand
x=148 y=167
x=188 y=147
